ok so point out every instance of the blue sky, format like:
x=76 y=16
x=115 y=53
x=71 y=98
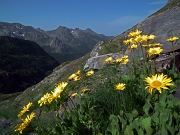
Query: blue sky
x=109 y=17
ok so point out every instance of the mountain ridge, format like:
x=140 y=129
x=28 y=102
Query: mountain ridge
x=76 y=41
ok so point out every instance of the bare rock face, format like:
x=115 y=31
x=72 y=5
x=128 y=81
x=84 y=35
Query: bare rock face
x=163 y=25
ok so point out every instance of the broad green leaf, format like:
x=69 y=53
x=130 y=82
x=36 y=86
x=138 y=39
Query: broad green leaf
x=128 y=130
x=146 y=123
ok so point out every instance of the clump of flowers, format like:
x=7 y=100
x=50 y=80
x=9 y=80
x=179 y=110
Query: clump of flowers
x=159 y=82
x=119 y=86
x=25 y=122
x=49 y=97
x=25 y=109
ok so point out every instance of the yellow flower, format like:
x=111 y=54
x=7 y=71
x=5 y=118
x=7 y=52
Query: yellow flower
x=137 y=32
x=139 y=38
x=78 y=73
x=126 y=41
x=71 y=77
x=158 y=81
x=89 y=73
x=125 y=61
x=119 y=86
x=155 y=50
x=131 y=34
x=108 y=60
x=73 y=95
x=145 y=37
x=25 y=109
x=75 y=76
x=59 y=89
x=124 y=57
x=134 y=33
x=118 y=60
x=172 y=39
x=133 y=46
x=132 y=40
x=25 y=123
x=47 y=98
x=84 y=90
x=151 y=37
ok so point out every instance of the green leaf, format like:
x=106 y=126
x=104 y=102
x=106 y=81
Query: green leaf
x=146 y=123
x=163 y=131
x=146 y=108
x=128 y=130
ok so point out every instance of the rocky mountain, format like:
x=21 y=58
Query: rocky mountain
x=23 y=63
x=59 y=42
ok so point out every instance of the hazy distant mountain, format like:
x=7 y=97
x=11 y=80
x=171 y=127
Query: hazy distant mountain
x=22 y=64
x=59 y=42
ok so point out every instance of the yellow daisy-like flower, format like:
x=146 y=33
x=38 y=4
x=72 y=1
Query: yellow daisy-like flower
x=139 y=38
x=126 y=41
x=145 y=37
x=25 y=109
x=172 y=39
x=47 y=98
x=134 y=33
x=119 y=86
x=84 y=90
x=133 y=46
x=132 y=40
x=125 y=61
x=71 y=77
x=118 y=60
x=131 y=34
x=108 y=60
x=59 y=89
x=75 y=76
x=158 y=81
x=155 y=50
x=89 y=73
x=151 y=37
x=25 y=122
x=124 y=57
x=137 y=32
x=73 y=95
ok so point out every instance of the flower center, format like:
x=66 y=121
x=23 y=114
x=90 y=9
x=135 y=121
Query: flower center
x=156 y=83
x=154 y=51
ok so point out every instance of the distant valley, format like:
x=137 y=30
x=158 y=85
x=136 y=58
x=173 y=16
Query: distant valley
x=23 y=63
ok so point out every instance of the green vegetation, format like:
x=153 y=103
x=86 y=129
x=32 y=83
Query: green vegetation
x=111 y=47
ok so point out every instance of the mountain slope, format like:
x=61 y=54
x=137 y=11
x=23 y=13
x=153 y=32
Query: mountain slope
x=23 y=63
